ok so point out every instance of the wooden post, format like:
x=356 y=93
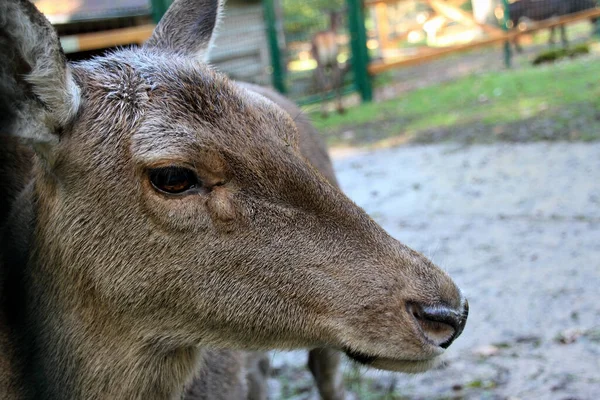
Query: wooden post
x=383 y=26
x=454 y=13
x=360 y=54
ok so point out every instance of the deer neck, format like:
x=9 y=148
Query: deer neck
x=68 y=347
x=333 y=22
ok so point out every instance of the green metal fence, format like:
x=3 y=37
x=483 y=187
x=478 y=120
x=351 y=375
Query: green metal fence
x=358 y=33
x=269 y=41
x=159 y=8
x=289 y=26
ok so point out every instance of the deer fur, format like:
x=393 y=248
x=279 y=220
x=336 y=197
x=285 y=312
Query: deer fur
x=230 y=375
x=240 y=375
x=111 y=288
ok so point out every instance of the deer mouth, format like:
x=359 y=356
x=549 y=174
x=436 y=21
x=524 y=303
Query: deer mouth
x=391 y=364
x=437 y=326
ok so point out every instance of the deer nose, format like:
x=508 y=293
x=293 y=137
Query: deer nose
x=439 y=323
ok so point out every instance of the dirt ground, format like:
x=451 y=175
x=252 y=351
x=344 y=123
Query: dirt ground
x=518 y=228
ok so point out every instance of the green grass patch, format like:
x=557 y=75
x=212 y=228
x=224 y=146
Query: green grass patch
x=551 y=102
x=558 y=54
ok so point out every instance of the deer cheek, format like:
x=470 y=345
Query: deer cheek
x=221 y=206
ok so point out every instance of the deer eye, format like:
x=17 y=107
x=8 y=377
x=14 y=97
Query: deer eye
x=173 y=180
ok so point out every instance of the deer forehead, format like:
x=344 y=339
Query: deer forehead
x=174 y=107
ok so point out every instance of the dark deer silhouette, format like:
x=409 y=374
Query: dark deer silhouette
x=539 y=10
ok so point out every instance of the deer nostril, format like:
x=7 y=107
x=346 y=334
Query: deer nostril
x=439 y=323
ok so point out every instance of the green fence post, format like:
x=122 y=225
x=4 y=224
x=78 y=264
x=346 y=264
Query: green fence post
x=276 y=58
x=505 y=21
x=159 y=8
x=360 y=53
x=596 y=23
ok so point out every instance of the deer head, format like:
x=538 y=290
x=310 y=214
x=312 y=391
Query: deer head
x=172 y=209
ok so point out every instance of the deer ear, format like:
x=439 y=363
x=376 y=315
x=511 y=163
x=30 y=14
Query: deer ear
x=38 y=95
x=187 y=27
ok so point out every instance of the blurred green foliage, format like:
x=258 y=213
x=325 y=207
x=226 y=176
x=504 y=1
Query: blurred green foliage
x=303 y=18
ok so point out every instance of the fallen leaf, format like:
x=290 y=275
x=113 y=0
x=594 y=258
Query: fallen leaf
x=487 y=350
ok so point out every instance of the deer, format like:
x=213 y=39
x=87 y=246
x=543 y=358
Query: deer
x=329 y=73
x=539 y=10
x=159 y=212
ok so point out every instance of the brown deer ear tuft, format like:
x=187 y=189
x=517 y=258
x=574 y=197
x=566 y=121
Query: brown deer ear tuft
x=38 y=95
x=187 y=28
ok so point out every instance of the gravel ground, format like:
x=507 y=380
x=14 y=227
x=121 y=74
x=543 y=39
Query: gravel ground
x=518 y=228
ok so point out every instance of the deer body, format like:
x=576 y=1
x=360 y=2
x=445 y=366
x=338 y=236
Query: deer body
x=169 y=211
x=326 y=48
x=329 y=73
x=539 y=10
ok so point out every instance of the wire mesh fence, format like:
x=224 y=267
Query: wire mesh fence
x=303 y=24
x=241 y=48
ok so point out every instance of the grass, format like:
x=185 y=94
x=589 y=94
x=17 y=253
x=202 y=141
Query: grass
x=558 y=54
x=551 y=102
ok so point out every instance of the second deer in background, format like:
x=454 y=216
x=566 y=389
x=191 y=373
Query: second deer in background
x=330 y=72
x=539 y=10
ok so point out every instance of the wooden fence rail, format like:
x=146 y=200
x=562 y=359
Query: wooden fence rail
x=106 y=39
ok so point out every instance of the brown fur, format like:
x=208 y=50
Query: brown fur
x=114 y=290
x=223 y=379
x=230 y=375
